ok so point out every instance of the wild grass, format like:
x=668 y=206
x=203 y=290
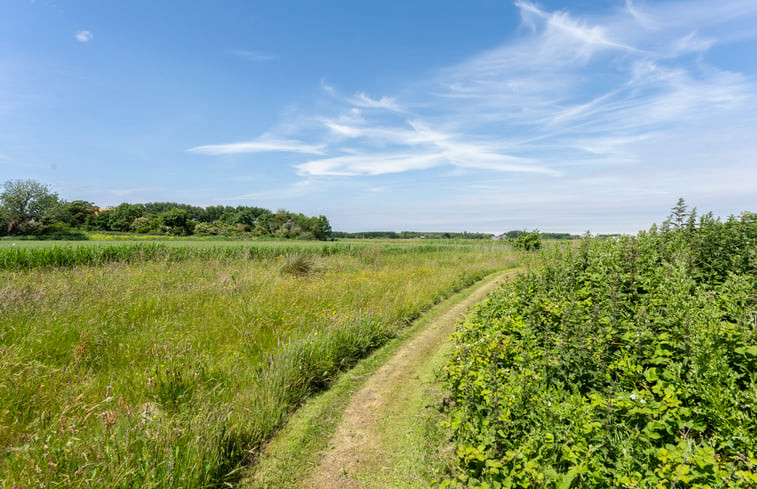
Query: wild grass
x=171 y=370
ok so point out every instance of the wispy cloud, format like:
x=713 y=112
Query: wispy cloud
x=372 y=164
x=253 y=55
x=563 y=32
x=259 y=146
x=386 y=103
x=83 y=36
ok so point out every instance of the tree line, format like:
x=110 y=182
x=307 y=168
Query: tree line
x=28 y=207
x=409 y=235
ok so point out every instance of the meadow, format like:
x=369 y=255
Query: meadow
x=625 y=362
x=160 y=365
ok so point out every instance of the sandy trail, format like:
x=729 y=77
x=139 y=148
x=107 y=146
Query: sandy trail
x=360 y=454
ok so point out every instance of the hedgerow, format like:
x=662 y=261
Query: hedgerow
x=628 y=362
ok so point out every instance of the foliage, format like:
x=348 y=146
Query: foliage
x=410 y=235
x=626 y=362
x=30 y=208
x=518 y=234
x=528 y=241
x=24 y=205
x=169 y=366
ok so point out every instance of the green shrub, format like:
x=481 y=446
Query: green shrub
x=626 y=362
x=528 y=241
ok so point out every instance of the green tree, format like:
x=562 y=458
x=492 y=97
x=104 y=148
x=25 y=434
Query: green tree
x=77 y=212
x=123 y=215
x=141 y=224
x=321 y=228
x=24 y=204
x=528 y=241
x=177 y=220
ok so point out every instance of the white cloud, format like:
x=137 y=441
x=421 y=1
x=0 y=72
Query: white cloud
x=460 y=155
x=373 y=164
x=83 y=36
x=691 y=43
x=386 y=103
x=258 y=146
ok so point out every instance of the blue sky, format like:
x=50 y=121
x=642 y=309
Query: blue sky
x=481 y=115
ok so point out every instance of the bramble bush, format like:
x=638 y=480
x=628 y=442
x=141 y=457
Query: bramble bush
x=626 y=362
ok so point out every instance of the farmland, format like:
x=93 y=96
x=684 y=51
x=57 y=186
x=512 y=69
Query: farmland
x=154 y=365
x=626 y=362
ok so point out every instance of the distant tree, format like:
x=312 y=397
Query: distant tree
x=528 y=241
x=214 y=212
x=24 y=204
x=123 y=215
x=321 y=228
x=77 y=212
x=177 y=221
x=141 y=225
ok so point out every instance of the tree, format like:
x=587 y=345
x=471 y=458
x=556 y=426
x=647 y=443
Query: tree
x=123 y=215
x=176 y=219
x=528 y=241
x=77 y=212
x=321 y=228
x=24 y=204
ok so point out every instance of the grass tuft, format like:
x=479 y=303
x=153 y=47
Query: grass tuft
x=297 y=264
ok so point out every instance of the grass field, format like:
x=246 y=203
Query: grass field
x=170 y=369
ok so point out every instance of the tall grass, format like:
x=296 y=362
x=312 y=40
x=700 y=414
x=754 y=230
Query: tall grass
x=27 y=256
x=169 y=368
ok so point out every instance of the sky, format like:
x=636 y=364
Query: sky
x=424 y=115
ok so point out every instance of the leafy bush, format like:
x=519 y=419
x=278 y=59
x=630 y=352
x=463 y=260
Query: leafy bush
x=623 y=363
x=528 y=241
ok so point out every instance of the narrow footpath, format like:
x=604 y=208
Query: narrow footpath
x=379 y=438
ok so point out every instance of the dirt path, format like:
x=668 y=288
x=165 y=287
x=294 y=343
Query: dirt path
x=370 y=447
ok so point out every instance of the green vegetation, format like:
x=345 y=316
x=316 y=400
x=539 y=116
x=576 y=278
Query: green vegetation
x=25 y=257
x=517 y=234
x=626 y=362
x=410 y=235
x=30 y=208
x=169 y=366
x=528 y=241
